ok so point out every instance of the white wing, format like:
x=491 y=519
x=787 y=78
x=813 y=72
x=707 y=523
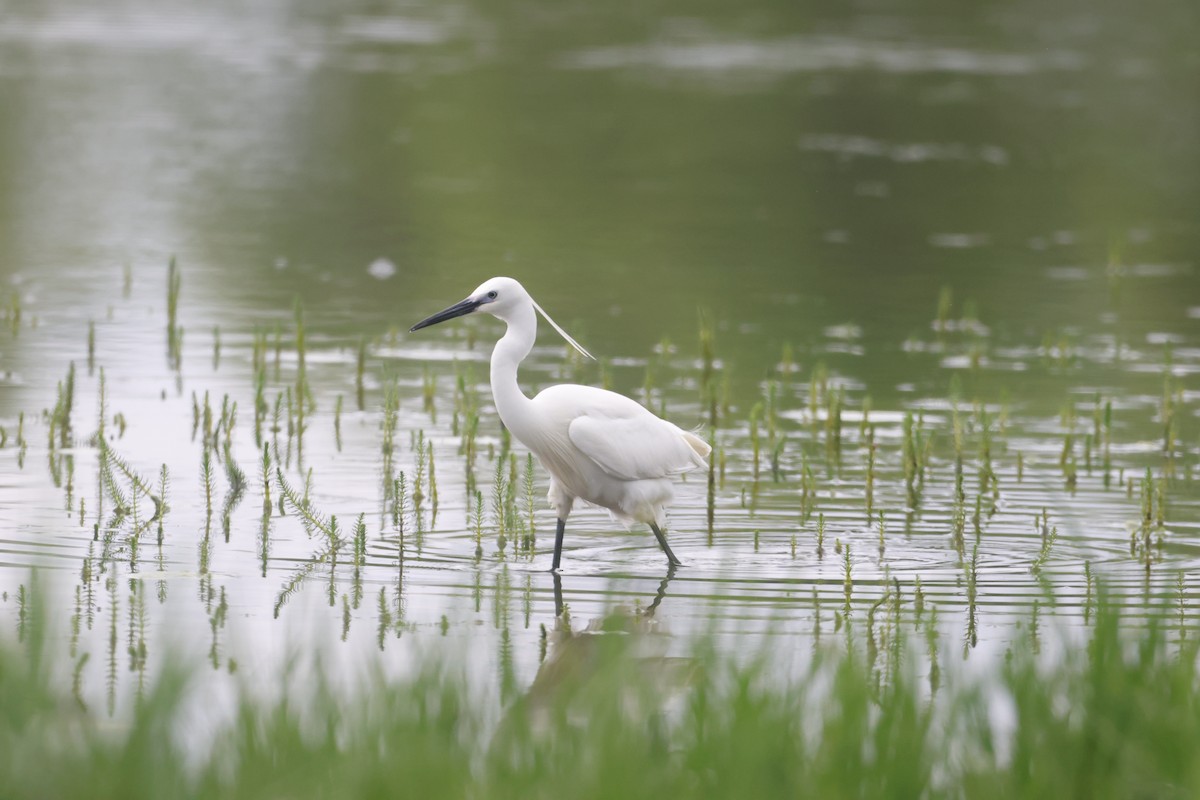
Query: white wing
x=638 y=445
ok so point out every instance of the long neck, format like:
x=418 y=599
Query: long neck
x=511 y=403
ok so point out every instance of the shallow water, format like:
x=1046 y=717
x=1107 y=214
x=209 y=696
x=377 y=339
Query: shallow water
x=813 y=182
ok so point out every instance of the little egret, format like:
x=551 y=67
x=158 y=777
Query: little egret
x=597 y=445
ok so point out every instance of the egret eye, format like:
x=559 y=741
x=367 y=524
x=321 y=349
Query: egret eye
x=491 y=295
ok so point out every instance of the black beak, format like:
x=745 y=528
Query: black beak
x=456 y=310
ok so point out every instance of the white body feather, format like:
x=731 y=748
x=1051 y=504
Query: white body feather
x=609 y=451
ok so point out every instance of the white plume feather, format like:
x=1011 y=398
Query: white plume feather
x=561 y=332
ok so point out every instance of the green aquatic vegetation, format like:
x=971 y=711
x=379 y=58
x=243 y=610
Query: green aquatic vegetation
x=1068 y=449
x=429 y=392
x=722 y=462
x=301 y=341
x=1147 y=540
x=1107 y=443
x=345 y=617
x=332 y=589
x=162 y=506
x=771 y=409
x=864 y=422
x=944 y=305
x=174 y=331
x=418 y=447
x=477 y=523
x=1071 y=475
x=971 y=639
x=710 y=499
x=391 y=409
x=114 y=609
x=337 y=423
x=433 y=490
x=470 y=449
x=385 y=618
x=59 y=418
x=707 y=348
x=400 y=508
x=291 y=427
x=869 y=489
x=206 y=422
x=648 y=392
x=22 y=445
x=258 y=351
x=514 y=523
x=14 y=312
x=847 y=578
x=1160 y=504
x=984 y=424
x=833 y=426
x=227 y=423
x=911 y=459
x=277 y=347
x=787 y=361
x=237 y=489
x=958 y=526
x=755 y=442
x=502 y=451
x=528 y=489
x=1169 y=414
x=22 y=612
x=315 y=523
x=818 y=385
x=1181 y=603
x=1049 y=537
x=499 y=494
x=195 y=411
x=265 y=478
x=262 y=408
x=299 y=576
x=111 y=465
x=207 y=486
x=808 y=492
x=136 y=639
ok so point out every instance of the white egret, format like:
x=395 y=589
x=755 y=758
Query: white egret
x=598 y=446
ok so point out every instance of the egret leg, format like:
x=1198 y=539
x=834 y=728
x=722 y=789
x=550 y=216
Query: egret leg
x=662 y=540
x=662 y=591
x=558 y=537
x=558 y=603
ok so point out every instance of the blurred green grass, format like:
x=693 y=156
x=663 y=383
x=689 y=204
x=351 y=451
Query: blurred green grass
x=1116 y=718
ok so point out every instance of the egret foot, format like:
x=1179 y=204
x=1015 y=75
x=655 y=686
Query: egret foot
x=558 y=537
x=662 y=540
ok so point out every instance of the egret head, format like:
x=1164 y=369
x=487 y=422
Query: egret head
x=502 y=298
